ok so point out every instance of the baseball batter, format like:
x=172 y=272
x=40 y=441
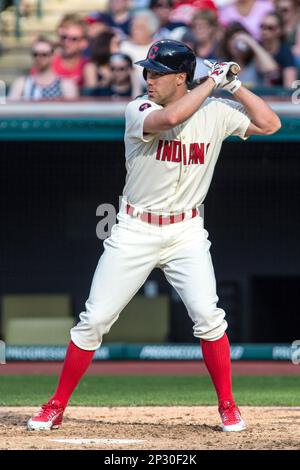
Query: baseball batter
x=173 y=139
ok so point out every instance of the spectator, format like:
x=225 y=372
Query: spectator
x=273 y=40
x=69 y=61
x=167 y=28
x=290 y=12
x=256 y=63
x=44 y=84
x=184 y=10
x=66 y=20
x=204 y=28
x=97 y=73
x=140 y=3
x=143 y=27
x=121 y=75
x=119 y=15
x=189 y=39
x=247 y=12
x=97 y=23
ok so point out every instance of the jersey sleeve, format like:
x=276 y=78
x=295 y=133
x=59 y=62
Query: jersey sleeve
x=236 y=119
x=135 y=115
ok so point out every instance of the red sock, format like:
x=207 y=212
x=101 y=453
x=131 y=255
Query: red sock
x=216 y=355
x=76 y=363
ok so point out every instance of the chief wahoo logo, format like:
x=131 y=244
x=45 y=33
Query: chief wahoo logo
x=153 y=52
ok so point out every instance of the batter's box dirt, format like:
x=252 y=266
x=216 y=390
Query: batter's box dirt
x=174 y=428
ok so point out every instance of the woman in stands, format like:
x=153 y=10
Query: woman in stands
x=273 y=40
x=290 y=12
x=143 y=27
x=97 y=73
x=206 y=32
x=256 y=63
x=121 y=80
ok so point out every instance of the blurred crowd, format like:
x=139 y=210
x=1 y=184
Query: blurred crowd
x=95 y=55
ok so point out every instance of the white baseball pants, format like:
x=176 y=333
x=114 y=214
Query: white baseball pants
x=132 y=251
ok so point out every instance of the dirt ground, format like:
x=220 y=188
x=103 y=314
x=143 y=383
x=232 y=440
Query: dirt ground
x=150 y=428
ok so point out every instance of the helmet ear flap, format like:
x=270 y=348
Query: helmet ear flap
x=145 y=74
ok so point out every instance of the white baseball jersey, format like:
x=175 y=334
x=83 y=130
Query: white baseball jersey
x=171 y=171
x=166 y=172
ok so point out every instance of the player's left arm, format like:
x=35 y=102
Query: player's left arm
x=263 y=119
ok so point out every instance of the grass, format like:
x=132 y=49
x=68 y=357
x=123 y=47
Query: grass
x=151 y=390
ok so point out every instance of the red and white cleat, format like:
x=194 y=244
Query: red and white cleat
x=50 y=416
x=231 y=417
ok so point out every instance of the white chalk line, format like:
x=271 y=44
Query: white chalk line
x=98 y=441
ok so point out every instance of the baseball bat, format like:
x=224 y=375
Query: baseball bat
x=234 y=69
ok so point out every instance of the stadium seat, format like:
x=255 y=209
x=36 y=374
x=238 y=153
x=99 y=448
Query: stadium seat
x=144 y=320
x=36 y=319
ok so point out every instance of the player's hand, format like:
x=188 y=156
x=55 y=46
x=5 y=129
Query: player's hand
x=224 y=75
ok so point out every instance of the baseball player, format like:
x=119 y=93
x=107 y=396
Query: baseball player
x=173 y=138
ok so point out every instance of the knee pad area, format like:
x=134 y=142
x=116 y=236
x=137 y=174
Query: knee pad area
x=210 y=334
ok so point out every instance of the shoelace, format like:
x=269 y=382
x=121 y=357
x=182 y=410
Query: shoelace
x=48 y=410
x=231 y=414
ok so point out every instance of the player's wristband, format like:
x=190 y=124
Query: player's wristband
x=233 y=86
x=215 y=83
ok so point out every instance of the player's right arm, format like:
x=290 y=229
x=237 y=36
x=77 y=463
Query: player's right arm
x=176 y=113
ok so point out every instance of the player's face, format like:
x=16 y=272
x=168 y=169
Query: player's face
x=163 y=89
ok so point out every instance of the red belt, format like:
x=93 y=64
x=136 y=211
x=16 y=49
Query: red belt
x=155 y=219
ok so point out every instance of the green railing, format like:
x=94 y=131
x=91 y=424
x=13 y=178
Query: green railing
x=155 y=352
x=103 y=129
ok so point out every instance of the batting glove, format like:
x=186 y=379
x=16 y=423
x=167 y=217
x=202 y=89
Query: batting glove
x=232 y=86
x=222 y=75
